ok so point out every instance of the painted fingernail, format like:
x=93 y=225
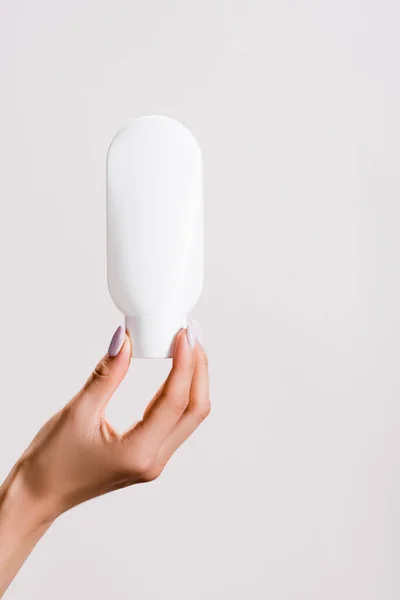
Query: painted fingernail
x=117 y=341
x=193 y=333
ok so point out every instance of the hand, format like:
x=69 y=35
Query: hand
x=77 y=454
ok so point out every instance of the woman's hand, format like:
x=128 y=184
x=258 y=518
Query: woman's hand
x=77 y=455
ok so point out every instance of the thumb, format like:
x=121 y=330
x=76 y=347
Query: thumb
x=110 y=371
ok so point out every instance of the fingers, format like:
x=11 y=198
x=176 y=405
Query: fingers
x=172 y=399
x=154 y=399
x=109 y=372
x=197 y=410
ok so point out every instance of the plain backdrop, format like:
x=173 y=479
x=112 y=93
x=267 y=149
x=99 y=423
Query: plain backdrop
x=291 y=489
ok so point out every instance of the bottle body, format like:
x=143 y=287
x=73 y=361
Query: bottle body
x=154 y=230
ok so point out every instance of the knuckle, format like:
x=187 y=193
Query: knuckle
x=179 y=402
x=100 y=372
x=143 y=464
x=152 y=474
x=146 y=468
x=203 y=409
x=102 y=369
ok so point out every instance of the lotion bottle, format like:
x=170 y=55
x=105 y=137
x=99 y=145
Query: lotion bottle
x=154 y=230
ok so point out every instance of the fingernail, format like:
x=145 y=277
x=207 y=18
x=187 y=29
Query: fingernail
x=117 y=341
x=193 y=333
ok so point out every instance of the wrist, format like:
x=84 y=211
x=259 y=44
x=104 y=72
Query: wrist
x=23 y=521
x=21 y=510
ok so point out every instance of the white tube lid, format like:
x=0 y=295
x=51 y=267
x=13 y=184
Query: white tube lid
x=153 y=336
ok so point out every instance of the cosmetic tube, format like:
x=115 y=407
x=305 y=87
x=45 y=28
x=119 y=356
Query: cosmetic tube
x=154 y=230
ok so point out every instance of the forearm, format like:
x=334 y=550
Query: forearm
x=22 y=524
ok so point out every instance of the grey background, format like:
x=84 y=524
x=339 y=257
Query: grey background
x=291 y=489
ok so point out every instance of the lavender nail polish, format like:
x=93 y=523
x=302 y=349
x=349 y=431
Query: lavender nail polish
x=193 y=333
x=117 y=341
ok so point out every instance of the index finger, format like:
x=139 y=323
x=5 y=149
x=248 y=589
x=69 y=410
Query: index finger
x=166 y=410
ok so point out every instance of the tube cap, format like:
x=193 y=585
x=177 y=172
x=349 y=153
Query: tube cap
x=153 y=336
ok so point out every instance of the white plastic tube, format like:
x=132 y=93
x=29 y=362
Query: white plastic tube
x=154 y=230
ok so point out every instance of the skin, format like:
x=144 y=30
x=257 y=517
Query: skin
x=77 y=455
